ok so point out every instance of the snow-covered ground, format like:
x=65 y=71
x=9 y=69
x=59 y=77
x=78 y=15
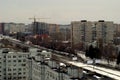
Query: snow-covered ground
x=100 y=61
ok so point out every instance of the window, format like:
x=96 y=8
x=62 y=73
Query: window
x=5 y=78
x=9 y=60
x=9 y=73
x=23 y=64
x=9 y=78
x=24 y=56
x=24 y=60
x=9 y=69
x=14 y=60
x=19 y=73
x=24 y=77
x=14 y=65
x=9 y=56
x=14 y=73
x=24 y=72
x=19 y=60
x=14 y=69
x=4 y=56
x=20 y=56
x=14 y=56
x=19 y=77
x=24 y=68
x=19 y=69
x=14 y=77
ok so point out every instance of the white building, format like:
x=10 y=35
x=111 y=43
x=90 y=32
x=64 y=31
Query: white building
x=81 y=31
x=12 y=65
x=87 y=31
x=14 y=27
x=44 y=68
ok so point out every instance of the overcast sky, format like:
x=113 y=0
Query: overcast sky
x=59 y=11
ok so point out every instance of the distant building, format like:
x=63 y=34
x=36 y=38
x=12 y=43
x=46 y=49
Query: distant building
x=81 y=31
x=9 y=28
x=40 y=28
x=87 y=31
x=117 y=34
x=1 y=28
x=12 y=65
x=65 y=31
x=117 y=27
x=53 y=28
x=105 y=30
x=29 y=28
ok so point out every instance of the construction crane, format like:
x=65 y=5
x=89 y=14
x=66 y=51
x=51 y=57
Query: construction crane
x=34 y=23
x=34 y=18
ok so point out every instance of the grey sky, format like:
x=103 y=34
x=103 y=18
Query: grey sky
x=60 y=11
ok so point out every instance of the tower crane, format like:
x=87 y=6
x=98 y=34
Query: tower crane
x=34 y=18
x=34 y=23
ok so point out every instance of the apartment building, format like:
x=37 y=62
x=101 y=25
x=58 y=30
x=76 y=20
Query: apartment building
x=53 y=28
x=105 y=30
x=65 y=31
x=117 y=27
x=81 y=31
x=40 y=28
x=1 y=28
x=12 y=65
x=88 y=31
x=8 y=28
x=45 y=68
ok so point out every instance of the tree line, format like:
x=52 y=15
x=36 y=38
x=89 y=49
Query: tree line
x=107 y=52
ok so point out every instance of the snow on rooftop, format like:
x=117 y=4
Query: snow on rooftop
x=44 y=51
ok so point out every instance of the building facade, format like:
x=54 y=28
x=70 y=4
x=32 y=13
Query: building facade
x=87 y=31
x=40 y=28
x=9 y=28
x=65 y=31
x=1 y=28
x=81 y=31
x=12 y=65
x=45 y=68
x=117 y=27
x=53 y=28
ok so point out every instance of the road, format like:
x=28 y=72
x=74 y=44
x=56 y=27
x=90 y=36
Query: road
x=114 y=74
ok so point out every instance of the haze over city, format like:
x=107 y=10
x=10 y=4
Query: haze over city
x=59 y=11
x=59 y=40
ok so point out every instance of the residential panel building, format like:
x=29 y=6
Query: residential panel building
x=45 y=68
x=12 y=65
x=40 y=28
x=1 y=28
x=87 y=31
x=10 y=28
